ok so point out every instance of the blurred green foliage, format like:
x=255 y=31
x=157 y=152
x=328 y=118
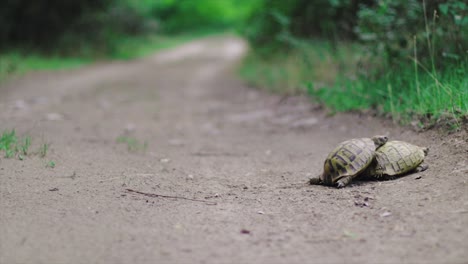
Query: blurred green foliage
x=94 y=27
x=423 y=30
x=187 y=15
x=277 y=23
x=40 y=23
x=390 y=28
x=410 y=62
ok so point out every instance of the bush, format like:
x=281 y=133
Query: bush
x=42 y=22
x=277 y=22
x=86 y=27
x=401 y=29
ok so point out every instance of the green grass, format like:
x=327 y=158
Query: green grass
x=50 y=164
x=289 y=72
x=428 y=99
x=133 y=144
x=13 y=145
x=43 y=148
x=15 y=62
x=343 y=79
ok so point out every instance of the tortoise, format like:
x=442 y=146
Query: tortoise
x=348 y=160
x=396 y=158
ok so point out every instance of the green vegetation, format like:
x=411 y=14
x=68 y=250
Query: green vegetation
x=43 y=150
x=337 y=77
x=133 y=144
x=14 y=146
x=18 y=63
x=177 y=16
x=50 y=164
x=404 y=59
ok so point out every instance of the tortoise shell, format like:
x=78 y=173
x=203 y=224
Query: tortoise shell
x=396 y=158
x=348 y=160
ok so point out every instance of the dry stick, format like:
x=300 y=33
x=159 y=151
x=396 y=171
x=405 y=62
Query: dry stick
x=170 y=196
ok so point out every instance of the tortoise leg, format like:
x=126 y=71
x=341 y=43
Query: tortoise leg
x=343 y=181
x=421 y=167
x=315 y=180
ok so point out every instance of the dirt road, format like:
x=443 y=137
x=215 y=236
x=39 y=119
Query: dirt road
x=243 y=156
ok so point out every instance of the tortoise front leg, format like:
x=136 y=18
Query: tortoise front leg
x=343 y=181
x=315 y=180
x=421 y=167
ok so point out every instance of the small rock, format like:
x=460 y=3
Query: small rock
x=54 y=117
x=164 y=160
x=54 y=189
x=130 y=127
x=361 y=204
x=21 y=105
x=385 y=214
x=245 y=231
x=190 y=177
x=260 y=212
x=417 y=177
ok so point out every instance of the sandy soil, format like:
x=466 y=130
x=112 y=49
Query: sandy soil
x=243 y=156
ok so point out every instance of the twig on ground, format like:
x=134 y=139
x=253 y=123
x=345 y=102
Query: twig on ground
x=170 y=196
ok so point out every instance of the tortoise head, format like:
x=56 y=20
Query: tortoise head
x=425 y=150
x=379 y=140
x=315 y=180
x=329 y=176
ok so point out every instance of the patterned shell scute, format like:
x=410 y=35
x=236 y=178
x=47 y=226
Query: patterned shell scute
x=351 y=157
x=398 y=157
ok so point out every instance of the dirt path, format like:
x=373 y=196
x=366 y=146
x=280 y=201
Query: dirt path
x=242 y=154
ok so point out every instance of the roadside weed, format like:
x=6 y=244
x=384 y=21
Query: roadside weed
x=16 y=146
x=8 y=143
x=133 y=144
x=43 y=150
x=50 y=164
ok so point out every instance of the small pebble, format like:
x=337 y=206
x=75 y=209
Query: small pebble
x=21 y=105
x=385 y=214
x=245 y=231
x=54 y=117
x=129 y=128
x=164 y=160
